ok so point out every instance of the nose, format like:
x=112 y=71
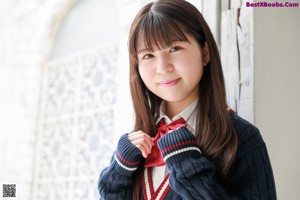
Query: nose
x=164 y=65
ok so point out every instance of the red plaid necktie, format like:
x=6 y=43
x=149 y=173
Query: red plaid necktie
x=155 y=158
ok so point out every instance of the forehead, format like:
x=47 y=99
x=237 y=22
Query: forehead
x=143 y=46
x=157 y=31
x=153 y=43
x=146 y=44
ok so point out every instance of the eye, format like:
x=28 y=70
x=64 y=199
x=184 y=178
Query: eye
x=175 y=48
x=147 y=56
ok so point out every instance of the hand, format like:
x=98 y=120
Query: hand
x=142 y=141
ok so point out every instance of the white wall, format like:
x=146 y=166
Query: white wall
x=277 y=93
x=25 y=29
x=88 y=24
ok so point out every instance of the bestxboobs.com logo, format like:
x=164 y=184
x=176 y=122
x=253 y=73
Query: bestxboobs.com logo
x=274 y=4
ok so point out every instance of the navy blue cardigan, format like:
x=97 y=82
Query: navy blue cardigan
x=192 y=176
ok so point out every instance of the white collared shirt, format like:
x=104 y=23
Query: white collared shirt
x=189 y=116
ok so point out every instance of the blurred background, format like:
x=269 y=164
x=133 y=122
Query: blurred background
x=64 y=88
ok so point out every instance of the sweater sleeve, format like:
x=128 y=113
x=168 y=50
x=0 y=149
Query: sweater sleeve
x=192 y=175
x=116 y=181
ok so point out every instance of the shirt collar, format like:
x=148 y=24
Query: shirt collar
x=187 y=114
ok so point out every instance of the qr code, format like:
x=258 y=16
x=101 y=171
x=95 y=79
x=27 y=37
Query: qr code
x=9 y=190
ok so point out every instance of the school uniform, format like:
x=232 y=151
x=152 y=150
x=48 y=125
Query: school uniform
x=187 y=174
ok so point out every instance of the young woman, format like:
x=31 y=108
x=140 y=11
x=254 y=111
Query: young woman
x=186 y=143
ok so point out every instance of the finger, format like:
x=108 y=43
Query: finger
x=137 y=134
x=146 y=146
x=142 y=137
x=145 y=142
x=142 y=149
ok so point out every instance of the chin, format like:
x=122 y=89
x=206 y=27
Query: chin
x=171 y=98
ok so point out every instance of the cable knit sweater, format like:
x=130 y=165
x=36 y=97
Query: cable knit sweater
x=192 y=176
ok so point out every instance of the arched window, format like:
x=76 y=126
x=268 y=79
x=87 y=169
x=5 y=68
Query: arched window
x=76 y=124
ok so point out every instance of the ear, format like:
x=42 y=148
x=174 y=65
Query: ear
x=205 y=54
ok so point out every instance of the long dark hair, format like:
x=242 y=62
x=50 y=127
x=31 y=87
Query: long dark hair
x=155 y=26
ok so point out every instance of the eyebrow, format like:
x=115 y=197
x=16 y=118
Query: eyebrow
x=169 y=45
x=143 y=50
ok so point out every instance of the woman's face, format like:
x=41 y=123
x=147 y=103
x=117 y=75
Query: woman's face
x=174 y=73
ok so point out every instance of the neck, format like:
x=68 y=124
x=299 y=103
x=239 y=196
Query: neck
x=173 y=108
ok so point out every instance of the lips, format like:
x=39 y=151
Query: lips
x=168 y=83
